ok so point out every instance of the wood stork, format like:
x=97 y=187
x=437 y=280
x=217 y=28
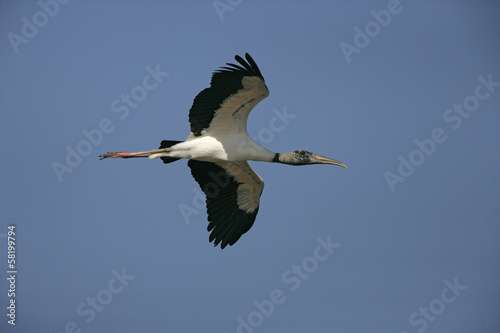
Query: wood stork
x=219 y=147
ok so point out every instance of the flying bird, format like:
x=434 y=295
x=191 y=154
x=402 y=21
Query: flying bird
x=219 y=147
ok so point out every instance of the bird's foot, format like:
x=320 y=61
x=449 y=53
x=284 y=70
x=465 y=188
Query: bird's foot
x=114 y=154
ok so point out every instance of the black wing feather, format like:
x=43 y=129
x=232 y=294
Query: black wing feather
x=225 y=82
x=226 y=221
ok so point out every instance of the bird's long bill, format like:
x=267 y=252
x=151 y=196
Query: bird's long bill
x=325 y=160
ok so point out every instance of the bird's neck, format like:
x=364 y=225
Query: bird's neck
x=286 y=158
x=248 y=149
x=283 y=158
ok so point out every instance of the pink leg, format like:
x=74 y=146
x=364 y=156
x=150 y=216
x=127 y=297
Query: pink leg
x=123 y=154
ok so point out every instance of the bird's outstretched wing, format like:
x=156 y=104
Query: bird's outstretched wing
x=233 y=192
x=233 y=92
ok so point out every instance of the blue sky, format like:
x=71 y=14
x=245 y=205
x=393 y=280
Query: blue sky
x=405 y=93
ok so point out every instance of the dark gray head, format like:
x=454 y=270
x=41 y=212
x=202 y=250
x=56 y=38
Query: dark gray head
x=303 y=157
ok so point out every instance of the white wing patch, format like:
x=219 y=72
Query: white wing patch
x=233 y=114
x=250 y=187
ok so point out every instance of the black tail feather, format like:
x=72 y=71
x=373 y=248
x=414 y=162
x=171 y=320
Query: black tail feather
x=168 y=144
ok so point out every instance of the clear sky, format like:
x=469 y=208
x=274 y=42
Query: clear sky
x=405 y=93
